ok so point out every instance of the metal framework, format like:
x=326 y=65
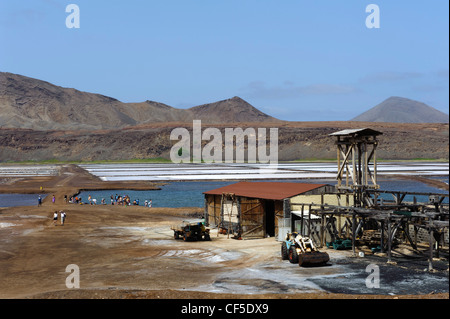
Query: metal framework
x=386 y=219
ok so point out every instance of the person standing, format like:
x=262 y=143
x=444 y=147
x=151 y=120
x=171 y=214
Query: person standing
x=53 y=199
x=39 y=200
x=55 y=218
x=63 y=217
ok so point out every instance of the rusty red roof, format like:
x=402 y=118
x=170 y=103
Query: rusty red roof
x=265 y=190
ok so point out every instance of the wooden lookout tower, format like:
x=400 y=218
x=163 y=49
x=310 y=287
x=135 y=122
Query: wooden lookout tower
x=356 y=160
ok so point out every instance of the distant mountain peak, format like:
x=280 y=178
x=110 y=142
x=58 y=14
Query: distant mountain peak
x=398 y=109
x=231 y=110
x=238 y=99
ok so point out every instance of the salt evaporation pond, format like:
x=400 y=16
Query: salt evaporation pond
x=225 y=171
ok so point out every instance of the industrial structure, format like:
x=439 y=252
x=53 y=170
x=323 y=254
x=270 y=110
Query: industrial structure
x=253 y=209
x=355 y=208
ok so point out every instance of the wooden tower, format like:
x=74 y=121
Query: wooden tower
x=356 y=160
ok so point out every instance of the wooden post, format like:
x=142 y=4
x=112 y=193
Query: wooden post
x=415 y=234
x=430 y=258
x=359 y=170
x=339 y=177
x=339 y=226
x=206 y=212
x=355 y=180
x=221 y=214
x=389 y=238
x=238 y=204
x=375 y=163
x=346 y=172
x=354 y=234
x=322 y=228
x=309 y=221
x=301 y=220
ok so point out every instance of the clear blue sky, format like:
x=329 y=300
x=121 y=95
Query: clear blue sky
x=295 y=60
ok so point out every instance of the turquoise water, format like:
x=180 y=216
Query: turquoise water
x=13 y=200
x=177 y=194
x=190 y=194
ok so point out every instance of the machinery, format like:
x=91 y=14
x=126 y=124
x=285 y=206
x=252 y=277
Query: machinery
x=301 y=250
x=191 y=231
x=340 y=244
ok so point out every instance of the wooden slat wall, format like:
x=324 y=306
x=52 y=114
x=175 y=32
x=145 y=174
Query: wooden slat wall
x=213 y=203
x=252 y=218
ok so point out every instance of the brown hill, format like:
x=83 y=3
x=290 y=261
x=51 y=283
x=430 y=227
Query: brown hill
x=230 y=111
x=29 y=103
x=402 y=110
x=34 y=104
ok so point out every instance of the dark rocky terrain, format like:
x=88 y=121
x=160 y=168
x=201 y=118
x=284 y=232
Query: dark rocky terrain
x=297 y=140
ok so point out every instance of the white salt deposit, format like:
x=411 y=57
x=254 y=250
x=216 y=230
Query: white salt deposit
x=222 y=171
x=6 y=225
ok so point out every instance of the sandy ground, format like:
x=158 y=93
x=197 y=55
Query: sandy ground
x=130 y=252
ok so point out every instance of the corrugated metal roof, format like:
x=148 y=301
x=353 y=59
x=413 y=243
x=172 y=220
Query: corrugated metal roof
x=358 y=131
x=265 y=190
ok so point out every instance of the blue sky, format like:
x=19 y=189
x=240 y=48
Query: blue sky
x=295 y=60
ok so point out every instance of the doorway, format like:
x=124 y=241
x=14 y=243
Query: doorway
x=269 y=208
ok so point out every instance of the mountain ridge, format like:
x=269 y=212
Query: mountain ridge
x=30 y=103
x=35 y=104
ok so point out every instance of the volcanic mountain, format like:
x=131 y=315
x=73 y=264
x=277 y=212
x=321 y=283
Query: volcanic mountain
x=402 y=110
x=34 y=104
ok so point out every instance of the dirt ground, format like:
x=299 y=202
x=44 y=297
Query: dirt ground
x=130 y=252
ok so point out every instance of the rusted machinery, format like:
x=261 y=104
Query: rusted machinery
x=301 y=250
x=191 y=231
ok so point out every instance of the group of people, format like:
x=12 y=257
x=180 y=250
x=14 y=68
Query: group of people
x=75 y=200
x=125 y=200
x=55 y=217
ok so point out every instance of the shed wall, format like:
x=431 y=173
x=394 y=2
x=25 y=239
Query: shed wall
x=330 y=199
